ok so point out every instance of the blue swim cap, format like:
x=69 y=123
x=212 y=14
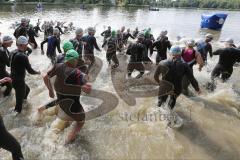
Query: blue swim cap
x=175 y=50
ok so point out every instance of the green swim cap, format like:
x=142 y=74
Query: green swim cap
x=71 y=55
x=147 y=34
x=67 y=45
x=114 y=33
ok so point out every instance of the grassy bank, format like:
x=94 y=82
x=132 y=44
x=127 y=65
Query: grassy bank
x=185 y=4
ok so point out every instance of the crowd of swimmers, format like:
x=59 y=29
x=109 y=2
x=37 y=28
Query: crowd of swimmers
x=76 y=57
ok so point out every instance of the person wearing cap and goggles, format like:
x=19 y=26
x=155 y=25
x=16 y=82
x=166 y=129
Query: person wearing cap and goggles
x=22 y=29
x=162 y=44
x=204 y=47
x=90 y=44
x=173 y=70
x=112 y=49
x=191 y=57
x=19 y=65
x=8 y=142
x=53 y=44
x=7 y=42
x=69 y=83
x=136 y=52
x=77 y=41
x=228 y=56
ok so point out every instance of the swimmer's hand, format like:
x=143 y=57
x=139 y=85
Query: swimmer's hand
x=87 y=88
x=6 y=79
x=42 y=52
x=41 y=109
x=51 y=94
x=199 y=92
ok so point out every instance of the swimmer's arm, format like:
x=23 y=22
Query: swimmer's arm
x=169 y=45
x=131 y=36
x=210 y=51
x=95 y=44
x=199 y=60
x=28 y=66
x=192 y=79
x=43 y=44
x=160 y=70
x=48 y=84
x=217 y=52
x=58 y=47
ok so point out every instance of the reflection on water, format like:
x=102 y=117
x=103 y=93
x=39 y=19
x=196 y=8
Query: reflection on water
x=212 y=130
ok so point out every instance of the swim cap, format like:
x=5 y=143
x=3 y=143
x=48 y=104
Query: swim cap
x=22 y=40
x=24 y=20
x=209 y=36
x=55 y=31
x=164 y=33
x=140 y=36
x=113 y=34
x=91 y=29
x=7 y=39
x=67 y=45
x=79 y=31
x=229 y=41
x=191 y=43
x=71 y=55
x=175 y=50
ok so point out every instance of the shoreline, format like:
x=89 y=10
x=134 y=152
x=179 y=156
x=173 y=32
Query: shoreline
x=110 y=5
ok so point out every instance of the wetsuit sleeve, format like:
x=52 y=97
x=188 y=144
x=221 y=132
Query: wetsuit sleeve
x=104 y=43
x=151 y=48
x=209 y=47
x=160 y=70
x=169 y=45
x=58 y=47
x=95 y=44
x=129 y=50
x=60 y=30
x=28 y=65
x=131 y=36
x=28 y=51
x=4 y=58
x=102 y=34
x=217 y=52
x=191 y=78
x=45 y=41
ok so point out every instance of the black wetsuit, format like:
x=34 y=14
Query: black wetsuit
x=89 y=47
x=19 y=65
x=60 y=29
x=32 y=35
x=135 y=33
x=136 y=52
x=148 y=46
x=53 y=43
x=126 y=36
x=173 y=72
x=204 y=48
x=68 y=86
x=37 y=29
x=162 y=44
x=111 y=51
x=106 y=34
x=21 y=31
x=78 y=46
x=4 y=61
x=227 y=58
x=9 y=143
